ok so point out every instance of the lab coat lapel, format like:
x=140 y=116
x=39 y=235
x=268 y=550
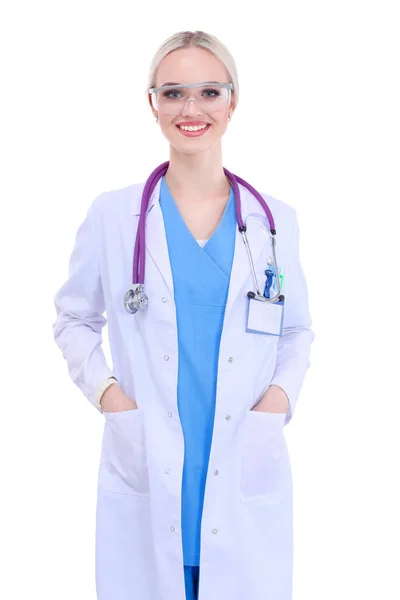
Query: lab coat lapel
x=258 y=236
x=155 y=238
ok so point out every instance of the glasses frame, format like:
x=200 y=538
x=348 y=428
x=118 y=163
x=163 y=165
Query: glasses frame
x=152 y=91
x=190 y=85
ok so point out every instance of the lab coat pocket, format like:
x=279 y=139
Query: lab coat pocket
x=265 y=468
x=123 y=465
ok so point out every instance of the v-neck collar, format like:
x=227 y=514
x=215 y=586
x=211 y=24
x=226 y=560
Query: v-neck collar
x=257 y=232
x=182 y=220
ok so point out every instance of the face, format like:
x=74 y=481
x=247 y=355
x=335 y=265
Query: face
x=192 y=65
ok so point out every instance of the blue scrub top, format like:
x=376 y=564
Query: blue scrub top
x=201 y=278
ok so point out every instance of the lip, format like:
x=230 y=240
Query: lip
x=194 y=133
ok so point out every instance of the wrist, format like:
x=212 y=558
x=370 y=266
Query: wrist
x=109 y=392
x=102 y=388
x=274 y=399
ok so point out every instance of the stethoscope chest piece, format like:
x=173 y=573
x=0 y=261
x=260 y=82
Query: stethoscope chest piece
x=135 y=299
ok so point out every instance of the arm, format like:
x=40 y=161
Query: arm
x=293 y=357
x=79 y=306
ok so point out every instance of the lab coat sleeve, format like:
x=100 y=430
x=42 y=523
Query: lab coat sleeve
x=80 y=306
x=293 y=353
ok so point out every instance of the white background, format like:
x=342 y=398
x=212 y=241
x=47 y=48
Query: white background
x=317 y=126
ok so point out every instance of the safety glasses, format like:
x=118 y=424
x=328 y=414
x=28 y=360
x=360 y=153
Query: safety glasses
x=208 y=96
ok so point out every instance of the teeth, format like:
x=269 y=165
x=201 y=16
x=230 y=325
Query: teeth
x=192 y=127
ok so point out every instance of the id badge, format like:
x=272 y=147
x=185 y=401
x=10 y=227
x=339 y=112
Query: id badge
x=265 y=317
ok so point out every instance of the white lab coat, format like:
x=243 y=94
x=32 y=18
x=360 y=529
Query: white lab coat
x=246 y=535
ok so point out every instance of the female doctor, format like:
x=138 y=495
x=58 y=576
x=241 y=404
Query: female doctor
x=194 y=484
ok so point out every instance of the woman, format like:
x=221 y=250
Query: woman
x=194 y=487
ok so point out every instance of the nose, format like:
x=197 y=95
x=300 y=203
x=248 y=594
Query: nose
x=191 y=108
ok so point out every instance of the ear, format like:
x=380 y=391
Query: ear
x=232 y=104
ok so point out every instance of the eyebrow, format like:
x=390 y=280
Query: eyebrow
x=176 y=83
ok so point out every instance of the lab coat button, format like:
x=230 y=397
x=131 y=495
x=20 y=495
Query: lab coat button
x=228 y=417
x=170 y=414
x=216 y=472
x=230 y=359
x=166 y=357
x=215 y=531
x=172 y=528
x=163 y=299
x=168 y=471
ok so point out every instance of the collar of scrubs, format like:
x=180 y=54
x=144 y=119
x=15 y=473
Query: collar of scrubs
x=201 y=275
x=218 y=237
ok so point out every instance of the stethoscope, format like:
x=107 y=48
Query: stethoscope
x=136 y=299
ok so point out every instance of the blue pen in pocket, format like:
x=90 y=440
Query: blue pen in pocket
x=273 y=284
x=268 y=282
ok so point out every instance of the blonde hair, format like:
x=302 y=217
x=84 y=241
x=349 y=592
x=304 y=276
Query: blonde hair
x=198 y=39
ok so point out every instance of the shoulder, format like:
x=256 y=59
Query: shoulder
x=284 y=214
x=122 y=201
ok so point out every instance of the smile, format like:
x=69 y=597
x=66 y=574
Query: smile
x=193 y=130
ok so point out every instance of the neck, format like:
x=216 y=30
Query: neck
x=198 y=176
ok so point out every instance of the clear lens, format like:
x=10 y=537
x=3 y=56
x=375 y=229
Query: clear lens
x=171 y=100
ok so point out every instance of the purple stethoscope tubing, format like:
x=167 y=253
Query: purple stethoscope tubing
x=138 y=270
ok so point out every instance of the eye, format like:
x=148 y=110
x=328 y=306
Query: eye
x=170 y=94
x=211 y=93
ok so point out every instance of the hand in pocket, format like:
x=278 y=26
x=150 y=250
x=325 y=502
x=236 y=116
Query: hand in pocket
x=115 y=400
x=274 y=400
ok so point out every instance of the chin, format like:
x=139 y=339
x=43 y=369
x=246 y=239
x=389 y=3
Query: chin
x=192 y=145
